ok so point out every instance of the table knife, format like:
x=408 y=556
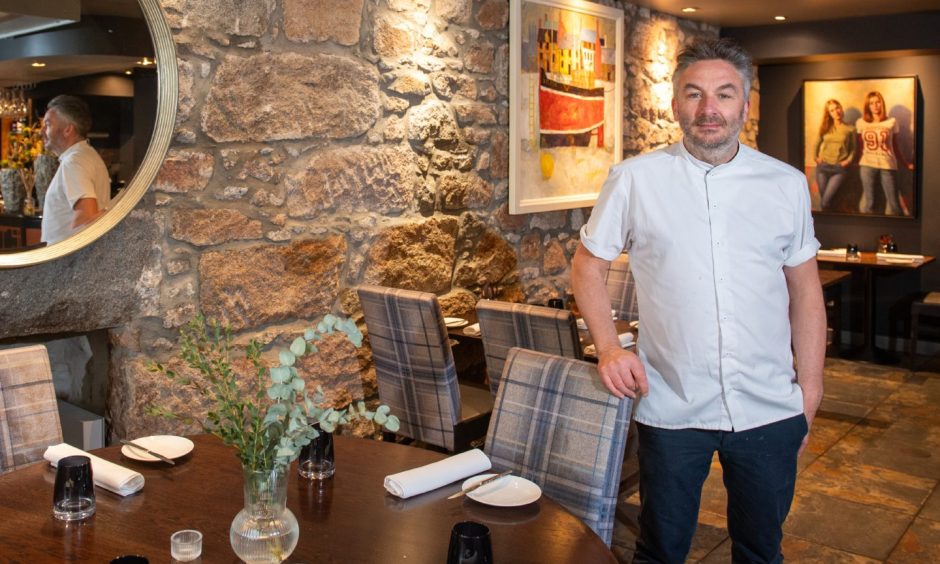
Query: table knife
x=489 y=480
x=147 y=450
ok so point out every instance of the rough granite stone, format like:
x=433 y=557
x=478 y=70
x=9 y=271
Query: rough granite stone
x=499 y=167
x=360 y=179
x=211 y=227
x=432 y=125
x=554 y=260
x=235 y=17
x=491 y=260
x=480 y=57
x=459 y=303
x=270 y=97
x=530 y=249
x=415 y=256
x=410 y=83
x=493 y=14
x=460 y=191
x=323 y=20
x=456 y=11
x=263 y=284
x=184 y=171
x=393 y=37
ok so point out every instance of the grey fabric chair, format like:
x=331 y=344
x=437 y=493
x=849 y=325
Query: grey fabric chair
x=504 y=325
x=414 y=366
x=556 y=424
x=622 y=289
x=29 y=414
x=928 y=306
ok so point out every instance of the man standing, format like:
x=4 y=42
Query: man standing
x=80 y=191
x=723 y=252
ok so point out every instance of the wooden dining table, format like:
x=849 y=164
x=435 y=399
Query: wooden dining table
x=347 y=518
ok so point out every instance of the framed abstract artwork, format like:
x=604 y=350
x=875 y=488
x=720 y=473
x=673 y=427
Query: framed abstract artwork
x=566 y=102
x=860 y=145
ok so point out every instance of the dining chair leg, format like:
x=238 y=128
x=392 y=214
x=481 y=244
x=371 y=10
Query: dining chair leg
x=915 y=318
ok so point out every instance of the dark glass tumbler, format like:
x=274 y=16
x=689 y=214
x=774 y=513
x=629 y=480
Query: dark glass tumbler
x=316 y=459
x=470 y=544
x=556 y=303
x=74 y=495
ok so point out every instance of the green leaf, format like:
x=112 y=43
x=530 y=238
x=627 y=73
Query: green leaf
x=309 y=334
x=334 y=416
x=393 y=424
x=383 y=409
x=299 y=346
x=298 y=384
x=280 y=374
x=380 y=418
x=286 y=357
x=327 y=426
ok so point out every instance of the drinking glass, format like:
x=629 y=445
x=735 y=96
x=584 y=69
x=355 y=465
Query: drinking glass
x=316 y=459
x=851 y=251
x=186 y=545
x=130 y=559
x=556 y=303
x=470 y=544
x=74 y=495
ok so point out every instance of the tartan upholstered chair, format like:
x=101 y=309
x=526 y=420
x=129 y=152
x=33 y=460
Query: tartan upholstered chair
x=414 y=366
x=622 y=289
x=29 y=414
x=556 y=424
x=504 y=325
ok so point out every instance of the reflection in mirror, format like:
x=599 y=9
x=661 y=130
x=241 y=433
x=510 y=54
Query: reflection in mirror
x=120 y=60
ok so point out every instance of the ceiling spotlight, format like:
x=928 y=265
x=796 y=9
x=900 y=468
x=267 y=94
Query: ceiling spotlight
x=780 y=18
x=689 y=10
x=38 y=64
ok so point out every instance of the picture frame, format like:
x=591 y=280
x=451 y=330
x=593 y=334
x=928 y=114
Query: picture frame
x=566 y=102
x=879 y=177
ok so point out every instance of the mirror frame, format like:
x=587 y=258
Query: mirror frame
x=167 y=99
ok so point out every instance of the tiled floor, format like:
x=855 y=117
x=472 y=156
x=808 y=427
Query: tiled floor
x=867 y=485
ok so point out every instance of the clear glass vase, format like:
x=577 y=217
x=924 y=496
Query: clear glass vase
x=265 y=530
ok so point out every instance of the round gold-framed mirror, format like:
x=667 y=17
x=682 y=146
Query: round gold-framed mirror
x=167 y=98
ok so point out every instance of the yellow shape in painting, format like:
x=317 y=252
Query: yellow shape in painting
x=548 y=165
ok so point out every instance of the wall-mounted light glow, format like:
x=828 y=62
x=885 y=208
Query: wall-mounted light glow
x=689 y=10
x=146 y=62
x=780 y=18
x=128 y=72
x=38 y=64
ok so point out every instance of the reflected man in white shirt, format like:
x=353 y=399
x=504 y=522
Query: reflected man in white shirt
x=80 y=191
x=722 y=250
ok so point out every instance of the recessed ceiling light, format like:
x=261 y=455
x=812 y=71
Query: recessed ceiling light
x=689 y=10
x=780 y=18
x=38 y=65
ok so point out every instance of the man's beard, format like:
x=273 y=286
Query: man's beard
x=732 y=128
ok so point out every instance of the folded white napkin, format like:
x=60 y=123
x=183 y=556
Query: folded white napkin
x=898 y=256
x=472 y=330
x=432 y=476
x=831 y=252
x=108 y=475
x=626 y=339
x=583 y=326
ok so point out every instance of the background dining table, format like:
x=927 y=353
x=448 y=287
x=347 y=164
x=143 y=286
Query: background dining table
x=348 y=518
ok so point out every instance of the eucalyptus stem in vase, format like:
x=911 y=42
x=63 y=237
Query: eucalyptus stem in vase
x=268 y=424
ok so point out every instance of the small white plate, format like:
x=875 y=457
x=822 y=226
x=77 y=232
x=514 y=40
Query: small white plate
x=455 y=321
x=510 y=491
x=635 y=324
x=169 y=446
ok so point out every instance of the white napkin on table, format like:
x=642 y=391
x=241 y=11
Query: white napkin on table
x=472 y=330
x=432 y=476
x=626 y=339
x=898 y=257
x=108 y=475
x=836 y=253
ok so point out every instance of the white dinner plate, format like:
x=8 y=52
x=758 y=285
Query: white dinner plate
x=635 y=324
x=169 y=446
x=455 y=321
x=510 y=491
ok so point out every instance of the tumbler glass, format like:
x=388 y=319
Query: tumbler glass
x=470 y=544
x=316 y=459
x=74 y=495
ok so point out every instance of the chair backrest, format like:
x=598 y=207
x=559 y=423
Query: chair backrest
x=29 y=414
x=414 y=364
x=622 y=289
x=555 y=424
x=505 y=325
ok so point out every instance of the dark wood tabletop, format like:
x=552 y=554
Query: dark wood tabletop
x=349 y=518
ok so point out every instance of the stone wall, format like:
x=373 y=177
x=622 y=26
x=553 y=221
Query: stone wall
x=321 y=144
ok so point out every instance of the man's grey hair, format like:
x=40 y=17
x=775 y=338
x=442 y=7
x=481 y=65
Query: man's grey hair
x=708 y=49
x=73 y=109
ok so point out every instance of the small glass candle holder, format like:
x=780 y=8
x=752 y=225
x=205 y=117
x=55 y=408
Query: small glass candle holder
x=851 y=251
x=186 y=545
